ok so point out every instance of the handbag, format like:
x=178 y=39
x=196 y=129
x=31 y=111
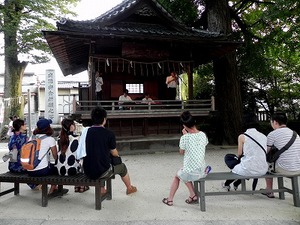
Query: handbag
x=116 y=160
x=274 y=152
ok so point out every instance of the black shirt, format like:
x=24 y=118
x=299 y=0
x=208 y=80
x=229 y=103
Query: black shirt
x=99 y=142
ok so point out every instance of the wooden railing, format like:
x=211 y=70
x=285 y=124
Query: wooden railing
x=114 y=107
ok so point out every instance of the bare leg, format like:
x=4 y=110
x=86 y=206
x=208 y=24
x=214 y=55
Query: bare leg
x=174 y=188
x=126 y=181
x=130 y=189
x=269 y=183
x=190 y=186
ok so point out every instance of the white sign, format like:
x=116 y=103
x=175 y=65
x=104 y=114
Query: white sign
x=51 y=96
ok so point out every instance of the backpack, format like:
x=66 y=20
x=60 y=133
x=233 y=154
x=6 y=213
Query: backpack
x=30 y=153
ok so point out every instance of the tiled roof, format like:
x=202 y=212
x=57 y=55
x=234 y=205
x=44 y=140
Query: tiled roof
x=112 y=22
x=132 y=21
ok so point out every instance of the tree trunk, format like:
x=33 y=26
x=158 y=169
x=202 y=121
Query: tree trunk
x=14 y=69
x=228 y=93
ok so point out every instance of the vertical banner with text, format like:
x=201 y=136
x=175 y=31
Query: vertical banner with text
x=51 y=96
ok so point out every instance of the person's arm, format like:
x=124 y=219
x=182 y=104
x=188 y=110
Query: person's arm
x=54 y=152
x=114 y=152
x=241 y=141
x=101 y=80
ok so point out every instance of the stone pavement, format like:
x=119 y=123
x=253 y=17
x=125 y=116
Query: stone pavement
x=152 y=174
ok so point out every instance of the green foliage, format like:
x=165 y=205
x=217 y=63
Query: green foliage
x=269 y=61
x=184 y=10
x=22 y=22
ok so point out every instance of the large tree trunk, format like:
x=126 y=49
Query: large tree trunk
x=14 y=69
x=228 y=93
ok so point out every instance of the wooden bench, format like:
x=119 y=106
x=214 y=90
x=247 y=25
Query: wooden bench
x=76 y=180
x=199 y=186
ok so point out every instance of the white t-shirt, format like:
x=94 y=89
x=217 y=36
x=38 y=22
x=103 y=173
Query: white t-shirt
x=253 y=163
x=46 y=144
x=122 y=99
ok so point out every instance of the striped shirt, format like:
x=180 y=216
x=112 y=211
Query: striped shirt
x=290 y=159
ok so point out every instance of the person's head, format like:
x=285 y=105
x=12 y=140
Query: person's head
x=98 y=116
x=125 y=92
x=147 y=96
x=97 y=74
x=278 y=119
x=173 y=74
x=187 y=119
x=250 y=121
x=43 y=127
x=19 y=125
x=67 y=127
x=11 y=117
x=15 y=117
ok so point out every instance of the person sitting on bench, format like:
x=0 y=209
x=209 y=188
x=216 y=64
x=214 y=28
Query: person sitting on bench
x=251 y=156
x=192 y=145
x=288 y=162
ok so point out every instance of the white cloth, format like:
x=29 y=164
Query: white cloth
x=81 y=150
x=10 y=127
x=253 y=163
x=99 y=83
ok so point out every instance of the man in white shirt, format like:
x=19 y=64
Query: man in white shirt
x=99 y=83
x=123 y=99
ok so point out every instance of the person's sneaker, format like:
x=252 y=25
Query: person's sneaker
x=131 y=190
x=225 y=187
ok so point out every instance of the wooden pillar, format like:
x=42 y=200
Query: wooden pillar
x=190 y=82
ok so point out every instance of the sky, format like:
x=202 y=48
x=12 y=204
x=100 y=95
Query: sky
x=86 y=9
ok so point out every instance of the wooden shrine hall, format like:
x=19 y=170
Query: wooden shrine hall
x=135 y=46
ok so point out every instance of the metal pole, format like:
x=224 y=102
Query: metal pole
x=29 y=112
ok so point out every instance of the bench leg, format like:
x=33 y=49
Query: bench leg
x=280 y=186
x=243 y=184
x=295 y=189
x=202 y=196
x=109 y=189
x=16 y=188
x=44 y=195
x=98 y=197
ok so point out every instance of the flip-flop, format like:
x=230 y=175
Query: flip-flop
x=167 y=202
x=84 y=189
x=268 y=194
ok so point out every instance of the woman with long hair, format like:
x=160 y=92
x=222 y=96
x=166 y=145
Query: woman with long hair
x=67 y=164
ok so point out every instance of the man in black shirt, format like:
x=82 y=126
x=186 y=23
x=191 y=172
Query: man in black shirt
x=100 y=146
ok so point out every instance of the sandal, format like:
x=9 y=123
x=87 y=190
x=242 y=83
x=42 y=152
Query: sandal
x=192 y=200
x=167 y=202
x=83 y=189
x=268 y=194
x=76 y=188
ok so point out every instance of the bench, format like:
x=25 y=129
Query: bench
x=76 y=180
x=199 y=186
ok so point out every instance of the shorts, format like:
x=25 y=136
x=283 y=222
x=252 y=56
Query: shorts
x=191 y=176
x=280 y=170
x=120 y=169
